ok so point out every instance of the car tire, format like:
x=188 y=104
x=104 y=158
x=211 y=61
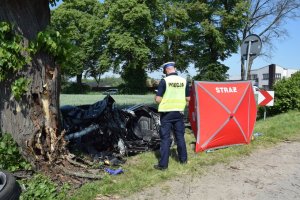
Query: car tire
x=9 y=188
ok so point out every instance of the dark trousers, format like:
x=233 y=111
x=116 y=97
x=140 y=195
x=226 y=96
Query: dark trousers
x=165 y=131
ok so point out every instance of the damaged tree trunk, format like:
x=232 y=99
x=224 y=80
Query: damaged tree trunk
x=34 y=120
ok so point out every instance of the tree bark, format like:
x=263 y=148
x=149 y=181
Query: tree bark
x=34 y=120
x=79 y=79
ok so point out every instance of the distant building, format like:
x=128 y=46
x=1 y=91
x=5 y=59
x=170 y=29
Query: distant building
x=265 y=77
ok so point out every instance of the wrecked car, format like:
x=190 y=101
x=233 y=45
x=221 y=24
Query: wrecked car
x=104 y=127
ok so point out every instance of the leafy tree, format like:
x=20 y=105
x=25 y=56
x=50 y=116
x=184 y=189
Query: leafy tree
x=130 y=32
x=214 y=35
x=83 y=23
x=172 y=39
x=143 y=35
x=187 y=32
x=266 y=18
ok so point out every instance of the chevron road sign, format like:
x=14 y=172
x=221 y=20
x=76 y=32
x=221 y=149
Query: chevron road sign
x=265 y=98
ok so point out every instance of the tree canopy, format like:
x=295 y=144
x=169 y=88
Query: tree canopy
x=214 y=35
x=130 y=35
x=191 y=33
x=83 y=23
x=138 y=36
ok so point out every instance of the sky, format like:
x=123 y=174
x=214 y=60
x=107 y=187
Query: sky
x=286 y=54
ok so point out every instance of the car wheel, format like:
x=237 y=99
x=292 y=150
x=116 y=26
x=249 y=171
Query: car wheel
x=9 y=188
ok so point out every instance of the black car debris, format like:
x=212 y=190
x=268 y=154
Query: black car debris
x=103 y=127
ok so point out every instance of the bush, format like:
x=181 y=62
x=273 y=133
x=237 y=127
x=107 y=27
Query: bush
x=10 y=157
x=134 y=81
x=287 y=95
x=74 y=88
x=41 y=187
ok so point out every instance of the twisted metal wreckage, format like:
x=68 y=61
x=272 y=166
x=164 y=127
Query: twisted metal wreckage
x=102 y=127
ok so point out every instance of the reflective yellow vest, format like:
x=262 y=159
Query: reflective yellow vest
x=174 y=96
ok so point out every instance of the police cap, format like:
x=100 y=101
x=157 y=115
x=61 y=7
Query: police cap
x=168 y=64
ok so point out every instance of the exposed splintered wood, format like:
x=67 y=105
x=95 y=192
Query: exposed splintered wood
x=76 y=163
x=49 y=141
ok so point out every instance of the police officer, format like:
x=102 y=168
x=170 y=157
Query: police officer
x=172 y=96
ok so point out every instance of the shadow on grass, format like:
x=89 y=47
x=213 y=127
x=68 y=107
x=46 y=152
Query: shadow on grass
x=173 y=154
x=157 y=155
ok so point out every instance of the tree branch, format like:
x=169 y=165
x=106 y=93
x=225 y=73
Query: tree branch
x=81 y=175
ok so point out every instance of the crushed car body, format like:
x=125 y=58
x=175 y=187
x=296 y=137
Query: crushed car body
x=103 y=127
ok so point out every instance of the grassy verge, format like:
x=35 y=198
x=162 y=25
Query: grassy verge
x=139 y=172
x=121 y=100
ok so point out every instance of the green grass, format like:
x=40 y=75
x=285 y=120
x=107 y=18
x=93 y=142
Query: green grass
x=121 y=100
x=139 y=172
